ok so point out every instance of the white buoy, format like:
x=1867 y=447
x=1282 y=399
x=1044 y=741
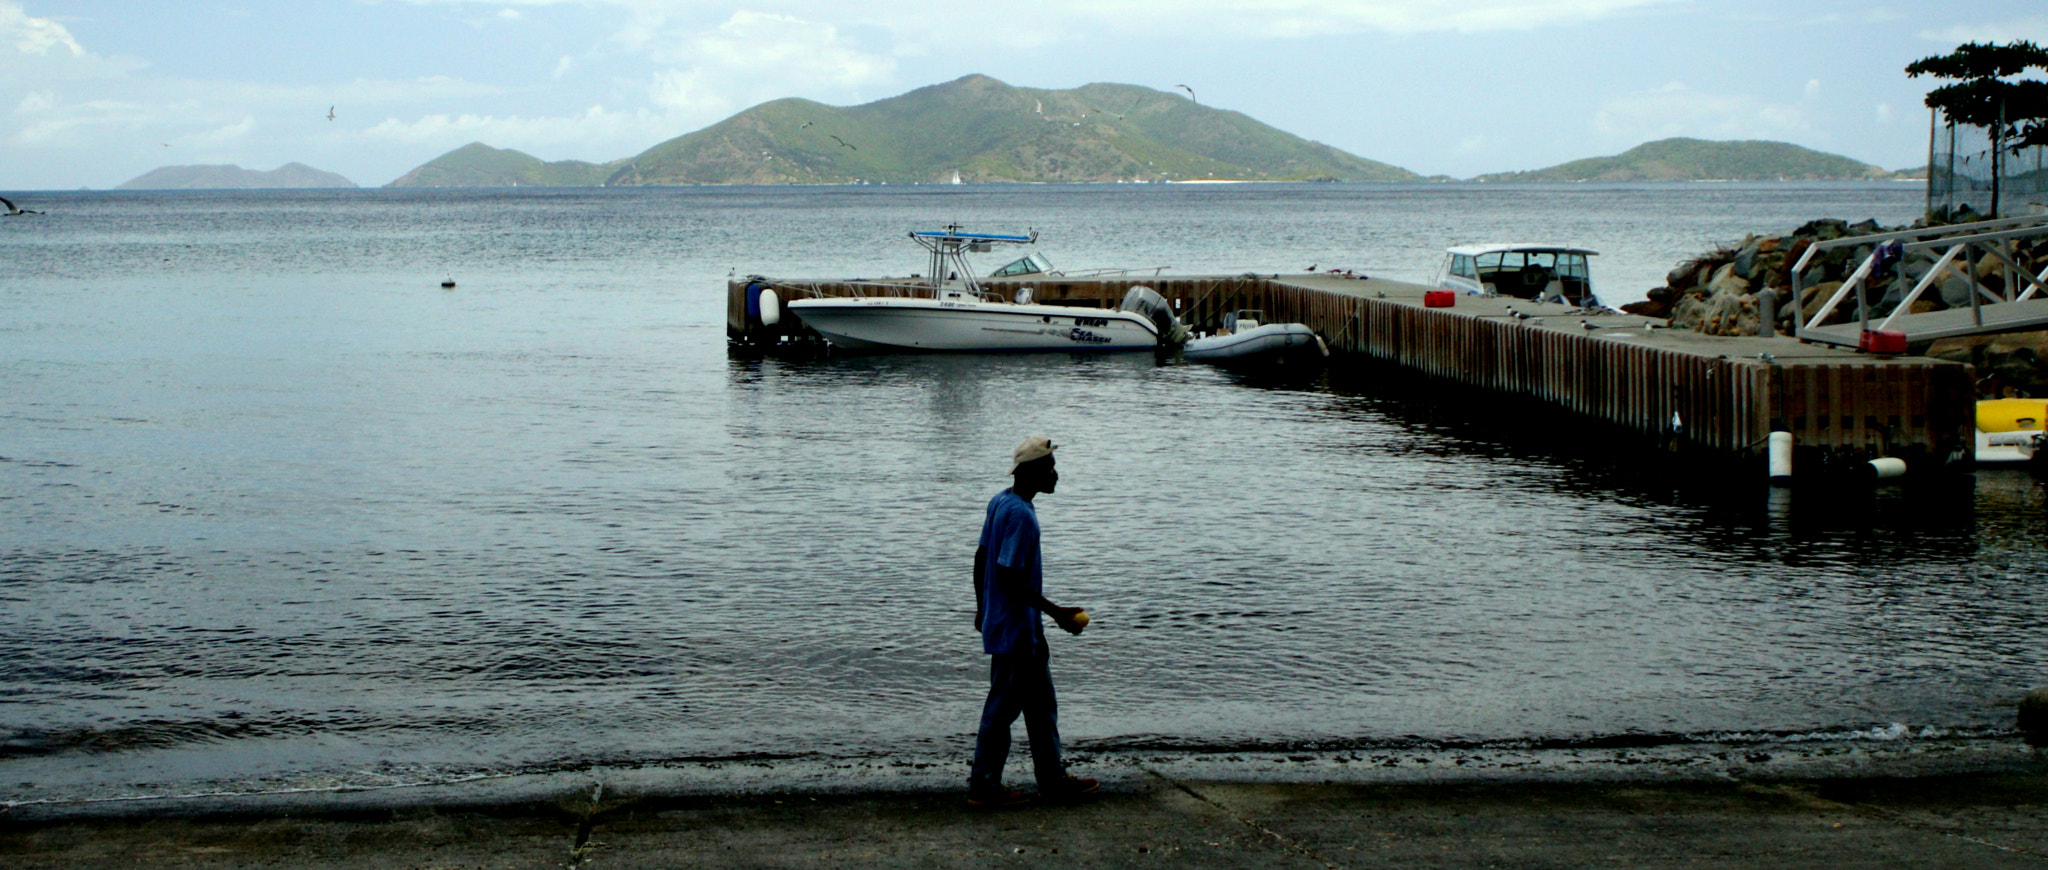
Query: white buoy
x=1885 y=467
x=771 y=308
x=1781 y=456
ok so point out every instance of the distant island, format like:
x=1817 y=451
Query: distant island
x=975 y=129
x=480 y=165
x=1681 y=159
x=232 y=177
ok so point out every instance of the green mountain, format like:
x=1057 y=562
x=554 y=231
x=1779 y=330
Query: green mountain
x=1701 y=160
x=480 y=165
x=232 y=177
x=986 y=130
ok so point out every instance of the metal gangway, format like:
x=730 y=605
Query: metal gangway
x=2007 y=309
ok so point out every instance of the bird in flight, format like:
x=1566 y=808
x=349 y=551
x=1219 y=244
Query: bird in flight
x=330 y=113
x=15 y=210
x=1191 y=92
x=843 y=142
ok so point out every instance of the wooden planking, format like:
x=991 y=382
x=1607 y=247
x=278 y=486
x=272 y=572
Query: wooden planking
x=1729 y=405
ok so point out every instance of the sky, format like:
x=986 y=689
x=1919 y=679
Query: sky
x=96 y=92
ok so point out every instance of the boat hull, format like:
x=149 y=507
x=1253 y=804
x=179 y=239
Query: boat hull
x=889 y=324
x=1266 y=343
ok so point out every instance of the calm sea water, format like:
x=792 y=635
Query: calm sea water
x=282 y=511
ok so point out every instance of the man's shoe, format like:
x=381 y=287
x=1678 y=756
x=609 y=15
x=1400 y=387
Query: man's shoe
x=997 y=800
x=1069 y=788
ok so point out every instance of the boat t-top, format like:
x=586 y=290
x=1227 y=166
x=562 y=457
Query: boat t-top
x=1545 y=273
x=961 y=315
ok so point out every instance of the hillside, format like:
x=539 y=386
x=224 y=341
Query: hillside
x=990 y=131
x=232 y=177
x=1701 y=160
x=480 y=165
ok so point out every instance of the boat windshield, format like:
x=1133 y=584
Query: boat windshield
x=1031 y=264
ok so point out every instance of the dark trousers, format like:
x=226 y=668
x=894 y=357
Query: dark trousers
x=1018 y=683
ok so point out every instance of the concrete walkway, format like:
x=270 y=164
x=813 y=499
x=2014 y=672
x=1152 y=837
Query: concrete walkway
x=1985 y=820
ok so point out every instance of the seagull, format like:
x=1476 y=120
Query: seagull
x=330 y=113
x=1311 y=267
x=1191 y=92
x=1768 y=358
x=842 y=142
x=15 y=210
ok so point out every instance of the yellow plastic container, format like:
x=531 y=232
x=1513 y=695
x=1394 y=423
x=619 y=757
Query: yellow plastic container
x=2012 y=415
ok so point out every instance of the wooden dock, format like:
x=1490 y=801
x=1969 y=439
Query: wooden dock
x=1719 y=393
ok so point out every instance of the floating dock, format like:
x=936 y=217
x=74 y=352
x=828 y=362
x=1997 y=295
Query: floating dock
x=1723 y=394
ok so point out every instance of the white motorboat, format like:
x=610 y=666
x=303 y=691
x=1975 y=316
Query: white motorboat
x=1244 y=340
x=1545 y=273
x=959 y=315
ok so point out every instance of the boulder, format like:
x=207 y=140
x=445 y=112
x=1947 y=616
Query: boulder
x=1823 y=230
x=1726 y=280
x=1816 y=296
x=1649 y=307
x=1745 y=258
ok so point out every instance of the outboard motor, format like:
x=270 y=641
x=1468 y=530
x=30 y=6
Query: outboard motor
x=1145 y=302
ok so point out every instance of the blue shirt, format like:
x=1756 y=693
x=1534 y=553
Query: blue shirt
x=1011 y=535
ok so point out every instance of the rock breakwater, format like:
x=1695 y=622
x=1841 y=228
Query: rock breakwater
x=1717 y=293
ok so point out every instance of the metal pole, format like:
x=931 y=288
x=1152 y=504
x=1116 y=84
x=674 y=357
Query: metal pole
x=1976 y=306
x=1931 y=113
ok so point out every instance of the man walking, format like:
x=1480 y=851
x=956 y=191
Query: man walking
x=1009 y=596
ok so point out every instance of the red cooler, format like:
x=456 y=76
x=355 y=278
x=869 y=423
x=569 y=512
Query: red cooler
x=1882 y=341
x=1439 y=299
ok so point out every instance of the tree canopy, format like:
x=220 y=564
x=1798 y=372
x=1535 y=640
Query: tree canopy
x=2014 y=111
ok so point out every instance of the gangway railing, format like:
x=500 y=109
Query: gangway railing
x=1986 y=239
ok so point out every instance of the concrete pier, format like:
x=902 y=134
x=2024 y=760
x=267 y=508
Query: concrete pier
x=1721 y=394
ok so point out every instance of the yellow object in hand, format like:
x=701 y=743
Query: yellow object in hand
x=1081 y=618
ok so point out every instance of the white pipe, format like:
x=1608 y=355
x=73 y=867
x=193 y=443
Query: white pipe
x=1781 y=455
x=1885 y=467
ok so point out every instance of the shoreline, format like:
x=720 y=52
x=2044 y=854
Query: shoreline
x=1144 y=817
x=1898 y=756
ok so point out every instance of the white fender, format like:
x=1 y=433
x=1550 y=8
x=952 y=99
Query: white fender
x=771 y=308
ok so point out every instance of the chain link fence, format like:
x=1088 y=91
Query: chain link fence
x=1962 y=162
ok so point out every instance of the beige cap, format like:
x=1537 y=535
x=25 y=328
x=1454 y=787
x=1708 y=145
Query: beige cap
x=1034 y=447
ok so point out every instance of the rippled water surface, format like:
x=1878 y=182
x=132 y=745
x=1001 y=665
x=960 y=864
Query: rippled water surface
x=282 y=510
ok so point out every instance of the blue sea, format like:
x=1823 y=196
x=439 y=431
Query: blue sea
x=282 y=513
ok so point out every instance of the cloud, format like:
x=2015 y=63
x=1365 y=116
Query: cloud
x=595 y=127
x=774 y=54
x=912 y=22
x=221 y=136
x=53 y=122
x=33 y=35
x=1884 y=113
x=1812 y=88
x=2033 y=28
x=1678 y=110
